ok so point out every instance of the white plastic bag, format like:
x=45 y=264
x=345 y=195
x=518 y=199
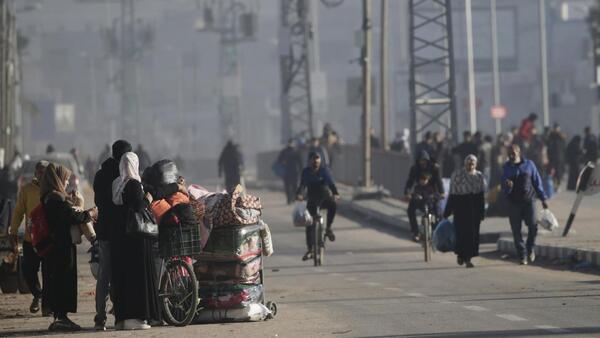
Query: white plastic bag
x=301 y=216
x=547 y=220
x=267 y=241
x=250 y=313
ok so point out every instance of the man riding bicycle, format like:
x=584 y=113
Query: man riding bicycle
x=424 y=177
x=317 y=179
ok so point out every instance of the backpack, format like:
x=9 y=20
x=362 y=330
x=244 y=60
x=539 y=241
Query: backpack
x=41 y=238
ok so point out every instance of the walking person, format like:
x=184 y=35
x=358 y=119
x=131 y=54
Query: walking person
x=28 y=199
x=107 y=218
x=62 y=261
x=467 y=203
x=574 y=156
x=557 y=146
x=231 y=163
x=134 y=284
x=590 y=146
x=522 y=183
x=291 y=161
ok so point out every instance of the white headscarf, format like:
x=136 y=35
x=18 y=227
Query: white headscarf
x=464 y=182
x=128 y=170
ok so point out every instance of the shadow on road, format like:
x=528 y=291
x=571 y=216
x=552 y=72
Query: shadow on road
x=504 y=333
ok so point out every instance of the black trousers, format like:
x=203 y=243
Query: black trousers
x=290 y=184
x=31 y=266
x=327 y=203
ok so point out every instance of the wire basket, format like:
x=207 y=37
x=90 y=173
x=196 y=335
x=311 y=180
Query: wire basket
x=179 y=241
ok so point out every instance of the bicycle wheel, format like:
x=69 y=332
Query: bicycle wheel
x=322 y=248
x=178 y=293
x=317 y=235
x=427 y=241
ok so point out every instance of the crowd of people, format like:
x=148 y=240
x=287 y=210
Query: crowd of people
x=127 y=265
x=551 y=151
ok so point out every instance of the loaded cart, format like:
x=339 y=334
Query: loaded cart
x=218 y=279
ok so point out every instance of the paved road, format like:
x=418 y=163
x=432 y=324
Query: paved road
x=375 y=284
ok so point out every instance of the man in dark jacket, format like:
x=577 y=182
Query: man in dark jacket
x=291 y=162
x=522 y=183
x=108 y=214
x=424 y=165
x=320 y=187
x=231 y=164
x=590 y=146
x=466 y=148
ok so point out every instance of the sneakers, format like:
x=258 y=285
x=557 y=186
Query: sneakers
x=308 y=255
x=531 y=257
x=64 y=325
x=416 y=238
x=135 y=324
x=35 y=305
x=523 y=261
x=100 y=326
x=469 y=264
x=330 y=235
x=459 y=260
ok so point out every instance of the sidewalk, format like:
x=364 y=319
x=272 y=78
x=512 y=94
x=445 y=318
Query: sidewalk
x=581 y=246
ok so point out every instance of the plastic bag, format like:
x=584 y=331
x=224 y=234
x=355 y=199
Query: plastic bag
x=547 y=220
x=250 y=313
x=267 y=241
x=444 y=236
x=301 y=216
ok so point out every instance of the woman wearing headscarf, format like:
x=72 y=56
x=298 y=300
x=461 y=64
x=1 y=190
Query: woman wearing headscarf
x=134 y=285
x=62 y=261
x=466 y=202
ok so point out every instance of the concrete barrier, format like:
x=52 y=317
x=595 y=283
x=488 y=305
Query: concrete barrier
x=389 y=169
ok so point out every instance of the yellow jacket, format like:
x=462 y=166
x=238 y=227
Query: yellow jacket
x=27 y=200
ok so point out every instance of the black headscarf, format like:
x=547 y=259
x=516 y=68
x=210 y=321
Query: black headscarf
x=119 y=148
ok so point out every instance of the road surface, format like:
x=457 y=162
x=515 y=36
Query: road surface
x=375 y=284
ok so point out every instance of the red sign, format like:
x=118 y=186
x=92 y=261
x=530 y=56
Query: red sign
x=498 y=112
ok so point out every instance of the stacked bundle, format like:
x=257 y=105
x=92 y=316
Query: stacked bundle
x=229 y=270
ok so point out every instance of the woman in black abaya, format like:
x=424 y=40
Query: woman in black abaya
x=466 y=202
x=133 y=278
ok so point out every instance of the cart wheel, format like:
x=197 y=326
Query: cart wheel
x=272 y=306
x=178 y=293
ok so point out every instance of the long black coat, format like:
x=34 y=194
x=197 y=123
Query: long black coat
x=107 y=211
x=469 y=211
x=62 y=261
x=134 y=283
x=231 y=163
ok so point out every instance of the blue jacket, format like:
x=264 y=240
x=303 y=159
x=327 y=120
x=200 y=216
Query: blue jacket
x=526 y=179
x=316 y=183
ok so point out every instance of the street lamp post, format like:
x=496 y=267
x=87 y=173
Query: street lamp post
x=366 y=97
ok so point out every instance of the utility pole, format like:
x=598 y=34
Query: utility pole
x=295 y=46
x=471 y=68
x=366 y=91
x=495 y=63
x=432 y=83
x=544 y=63
x=383 y=76
x=235 y=25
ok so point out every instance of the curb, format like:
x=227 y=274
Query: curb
x=349 y=208
x=555 y=252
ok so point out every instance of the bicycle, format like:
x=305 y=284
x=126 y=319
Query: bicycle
x=178 y=287
x=428 y=219
x=319 y=239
